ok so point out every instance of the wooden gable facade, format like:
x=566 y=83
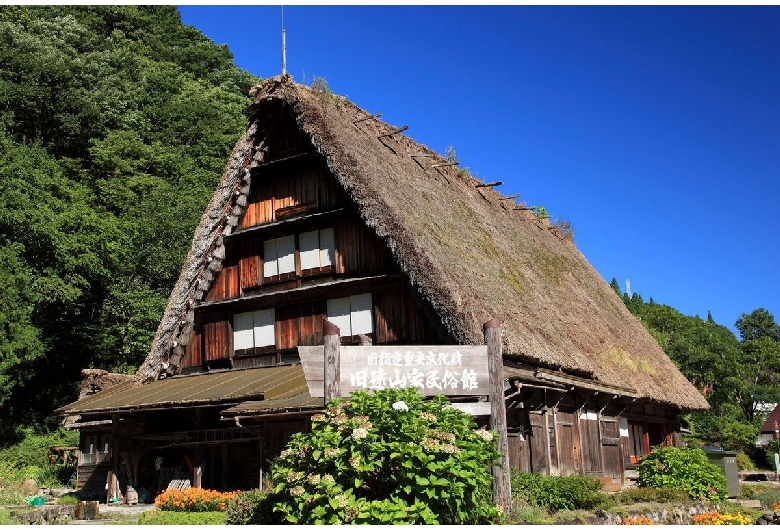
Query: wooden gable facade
x=296 y=235
x=301 y=255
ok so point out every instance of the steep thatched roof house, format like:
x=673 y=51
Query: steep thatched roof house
x=324 y=211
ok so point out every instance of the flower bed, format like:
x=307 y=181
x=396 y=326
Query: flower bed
x=193 y=500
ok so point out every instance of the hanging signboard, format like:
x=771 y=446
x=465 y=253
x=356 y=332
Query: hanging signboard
x=448 y=370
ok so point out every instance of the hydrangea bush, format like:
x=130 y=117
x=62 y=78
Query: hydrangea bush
x=684 y=468
x=387 y=457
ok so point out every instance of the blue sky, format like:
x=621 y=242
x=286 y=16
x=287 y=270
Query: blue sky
x=654 y=130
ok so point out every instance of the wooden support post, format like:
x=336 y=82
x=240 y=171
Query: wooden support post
x=372 y=117
x=394 y=131
x=502 y=494
x=488 y=184
x=332 y=343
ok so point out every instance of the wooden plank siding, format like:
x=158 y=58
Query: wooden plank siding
x=357 y=253
x=396 y=316
x=307 y=187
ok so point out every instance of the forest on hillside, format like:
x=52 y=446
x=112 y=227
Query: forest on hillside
x=115 y=125
x=737 y=376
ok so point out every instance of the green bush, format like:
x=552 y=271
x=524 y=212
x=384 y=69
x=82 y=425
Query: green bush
x=573 y=492
x=182 y=518
x=768 y=495
x=684 y=468
x=387 y=457
x=67 y=500
x=744 y=463
x=649 y=494
x=251 y=507
x=30 y=448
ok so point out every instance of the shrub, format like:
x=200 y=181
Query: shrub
x=649 y=494
x=573 y=492
x=181 y=518
x=67 y=500
x=744 y=463
x=387 y=457
x=192 y=500
x=768 y=495
x=250 y=507
x=684 y=468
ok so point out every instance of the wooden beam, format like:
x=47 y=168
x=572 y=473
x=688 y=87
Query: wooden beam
x=445 y=164
x=373 y=116
x=508 y=197
x=332 y=342
x=421 y=155
x=395 y=131
x=489 y=184
x=502 y=493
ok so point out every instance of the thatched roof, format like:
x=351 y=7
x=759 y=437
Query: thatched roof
x=468 y=252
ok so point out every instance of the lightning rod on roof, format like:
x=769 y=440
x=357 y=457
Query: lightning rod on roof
x=284 y=46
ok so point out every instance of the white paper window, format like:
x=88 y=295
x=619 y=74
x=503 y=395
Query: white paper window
x=338 y=314
x=360 y=314
x=278 y=256
x=310 y=249
x=317 y=248
x=270 y=258
x=352 y=315
x=265 y=321
x=286 y=254
x=254 y=329
x=243 y=331
x=327 y=247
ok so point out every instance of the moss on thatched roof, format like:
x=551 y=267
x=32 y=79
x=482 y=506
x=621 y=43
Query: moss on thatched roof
x=470 y=254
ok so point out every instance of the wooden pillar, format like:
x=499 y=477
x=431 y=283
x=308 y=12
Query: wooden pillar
x=197 y=471
x=502 y=494
x=332 y=369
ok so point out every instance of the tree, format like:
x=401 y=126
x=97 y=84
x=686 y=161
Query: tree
x=757 y=325
x=114 y=130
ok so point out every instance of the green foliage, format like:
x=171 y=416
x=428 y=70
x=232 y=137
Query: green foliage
x=155 y=517
x=734 y=376
x=25 y=446
x=5 y=517
x=67 y=500
x=250 y=507
x=384 y=458
x=553 y=493
x=540 y=211
x=114 y=130
x=744 y=463
x=768 y=495
x=651 y=494
x=684 y=468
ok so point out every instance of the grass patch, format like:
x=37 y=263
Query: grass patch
x=5 y=518
x=182 y=518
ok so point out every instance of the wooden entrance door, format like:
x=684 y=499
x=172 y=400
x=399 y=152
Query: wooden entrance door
x=567 y=443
